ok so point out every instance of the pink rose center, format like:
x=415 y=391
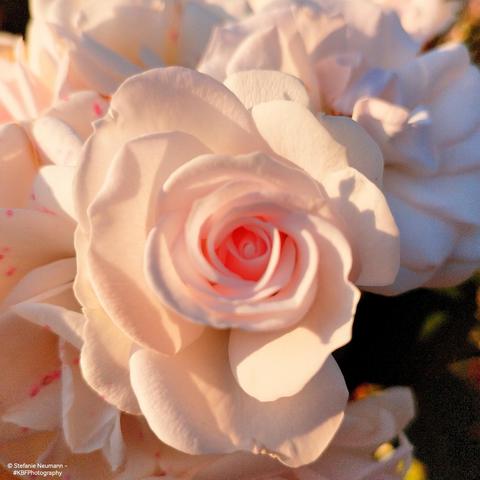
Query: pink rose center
x=249 y=244
x=245 y=251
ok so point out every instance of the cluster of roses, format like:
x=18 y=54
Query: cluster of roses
x=193 y=193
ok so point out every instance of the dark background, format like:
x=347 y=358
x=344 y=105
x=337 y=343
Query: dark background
x=13 y=15
x=427 y=340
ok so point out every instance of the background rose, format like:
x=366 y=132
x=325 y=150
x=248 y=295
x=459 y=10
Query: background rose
x=428 y=127
x=45 y=394
x=22 y=95
x=189 y=150
x=97 y=46
x=333 y=48
x=424 y=19
x=37 y=163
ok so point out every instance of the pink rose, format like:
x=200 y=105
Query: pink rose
x=98 y=45
x=212 y=239
x=334 y=48
x=424 y=19
x=428 y=126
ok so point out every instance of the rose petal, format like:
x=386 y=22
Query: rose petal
x=316 y=145
x=55 y=310
x=17 y=167
x=40 y=280
x=170 y=390
x=462 y=204
x=104 y=362
x=426 y=241
x=53 y=191
x=29 y=239
x=369 y=225
x=40 y=412
x=129 y=207
x=171 y=99
x=87 y=421
x=34 y=362
x=257 y=86
x=362 y=151
x=57 y=142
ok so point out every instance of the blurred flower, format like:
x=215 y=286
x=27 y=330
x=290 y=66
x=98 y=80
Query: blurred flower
x=424 y=19
x=333 y=48
x=417 y=471
x=426 y=123
x=98 y=45
x=23 y=95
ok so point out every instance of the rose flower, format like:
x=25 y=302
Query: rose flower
x=97 y=45
x=218 y=250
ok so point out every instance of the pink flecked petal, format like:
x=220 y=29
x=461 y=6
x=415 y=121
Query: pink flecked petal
x=30 y=239
x=24 y=383
x=40 y=280
x=18 y=166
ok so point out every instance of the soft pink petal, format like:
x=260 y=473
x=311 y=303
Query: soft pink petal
x=294 y=133
x=55 y=310
x=170 y=99
x=426 y=241
x=369 y=226
x=52 y=191
x=18 y=166
x=88 y=422
x=40 y=280
x=24 y=383
x=104 y=361
x=29 y=239
x=40 y=412
x=261 y=50
x=461 y=204
x=56 y=141
x=171 y=389
x=79 y=110
x=121 y=218
x=362 y=151
x=368 y=423
x=457 y=100
x=257 y=86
